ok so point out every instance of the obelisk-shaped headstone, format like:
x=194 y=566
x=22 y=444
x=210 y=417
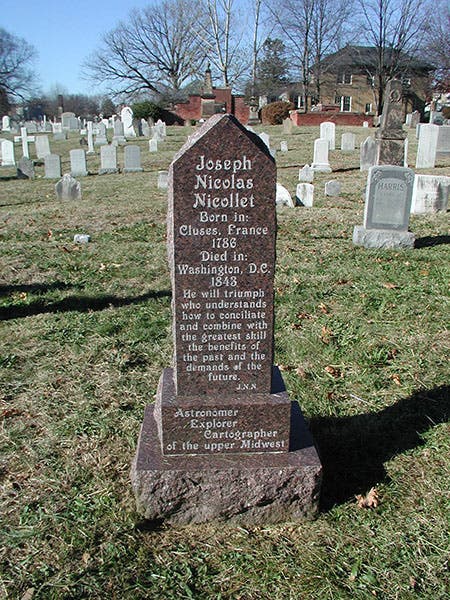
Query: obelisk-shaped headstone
x=222 y=417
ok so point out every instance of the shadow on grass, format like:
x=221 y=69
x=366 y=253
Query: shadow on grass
x=31 y=288
x=77 y=303
x=426 y=242
x=354 y=449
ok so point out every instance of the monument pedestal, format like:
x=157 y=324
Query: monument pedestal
x=242 y=489
x=382 y=238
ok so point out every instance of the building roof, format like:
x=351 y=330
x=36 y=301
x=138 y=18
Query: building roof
x=365 y=56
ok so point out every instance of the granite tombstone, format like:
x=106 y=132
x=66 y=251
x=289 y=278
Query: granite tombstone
x=387 y=209
x=391 y=137
x=430 y=194
x=108 y=160
x=132 y=159
x=52 y=163
x=78 y=163
x=218 y=443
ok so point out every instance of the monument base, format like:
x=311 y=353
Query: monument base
x=242 y=489
x=382 y=238
x=321 y=167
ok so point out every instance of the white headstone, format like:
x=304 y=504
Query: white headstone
x=283 y=197
x=78 y=163
x=287 y=125
x=8 y=154
x=328 y=132
x=100 y=138
x=443 y=143
x=306 y=174
x=6 y=126
x=90 y=137
x=365 y=124
x=25 y=139
x=126 y=115
x=320 y=161
x=305 y=194
x=426 y=151
x=153 y=145
x=430 y=194
x=163 y=179
x=265 y=138
x=283 y=146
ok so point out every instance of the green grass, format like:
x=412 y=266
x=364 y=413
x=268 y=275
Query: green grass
x=362 y=338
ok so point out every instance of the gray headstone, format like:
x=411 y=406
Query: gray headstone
x=368 y=154
x=8 y=154
x=68 y=188
x=73 y=124
x=132 y=159
x=78 y=163
x=153 y=145
x=305 y=194
x=100 y=138
x=306 y=174
x=426 y=151
x=332 y=188
x=443 y=143
x=52 y=166
x=157 y=133
x=65 y=119
x=145 y=128
x=283 y=197
x=108 y=160
x=287 y=126
x=430 y=194
x=328 y=132
x=25 y=168
x=42 y=146
x=390 y=137
x=119 y=136
x=59 y=136
x=387 y=209
x=348 y=142
x=320 y=160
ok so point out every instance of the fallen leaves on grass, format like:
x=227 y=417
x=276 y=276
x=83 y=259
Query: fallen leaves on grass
x=333 y=371
x=326 y=335
x=390 y=286
x=370 y=500
x=323 y=308
x=396 y=379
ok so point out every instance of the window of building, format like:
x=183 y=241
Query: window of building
x=370 y=80
x=344 y=103
x=344 y=76
x=368 y=108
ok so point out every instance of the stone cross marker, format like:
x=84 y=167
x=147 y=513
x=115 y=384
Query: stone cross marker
x=222 y=418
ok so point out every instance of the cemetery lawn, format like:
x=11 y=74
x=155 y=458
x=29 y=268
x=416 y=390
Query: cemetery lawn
x=361 y=339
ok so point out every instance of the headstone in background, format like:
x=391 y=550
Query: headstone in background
x=153 y=145
x=320 y=160
x=81 y=238
x=78 y=163
x=283 y=197
x=218 y=442
x=306 y=174
x=42 y=146
x=90 y=137
x=59 y=136
x=162 y=180
x=68 y=188
x=52 y=165
x=348 y=142
x=415 y=119
x=24 y=138
x=305 y=194
x=287 y=126
x=283 y=146
x=56 y=127
x=119 y=136
x=443 y=143
x=162 y=126
x=367 y=154
x=390 y=137
x=31 y=126
x=132 y=159
x=74 y=124
x=65 y=119
x=328 y=132
x=108 y=160
x=387 y=209
x=426 y=150
x=8 y=159
x=365 y=124
x=6 y=125
x=25 y=168
x=430 y=194
x=333 y=188
x=126 y=115
x=100 y=138
x=145 y=128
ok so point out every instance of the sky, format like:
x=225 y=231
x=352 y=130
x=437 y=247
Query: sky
x=64 y=34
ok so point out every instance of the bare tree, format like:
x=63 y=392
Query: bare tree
x=16 y=78
x=394 y=28
x=222 y=40
x=156 y=50
x=434 y=46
